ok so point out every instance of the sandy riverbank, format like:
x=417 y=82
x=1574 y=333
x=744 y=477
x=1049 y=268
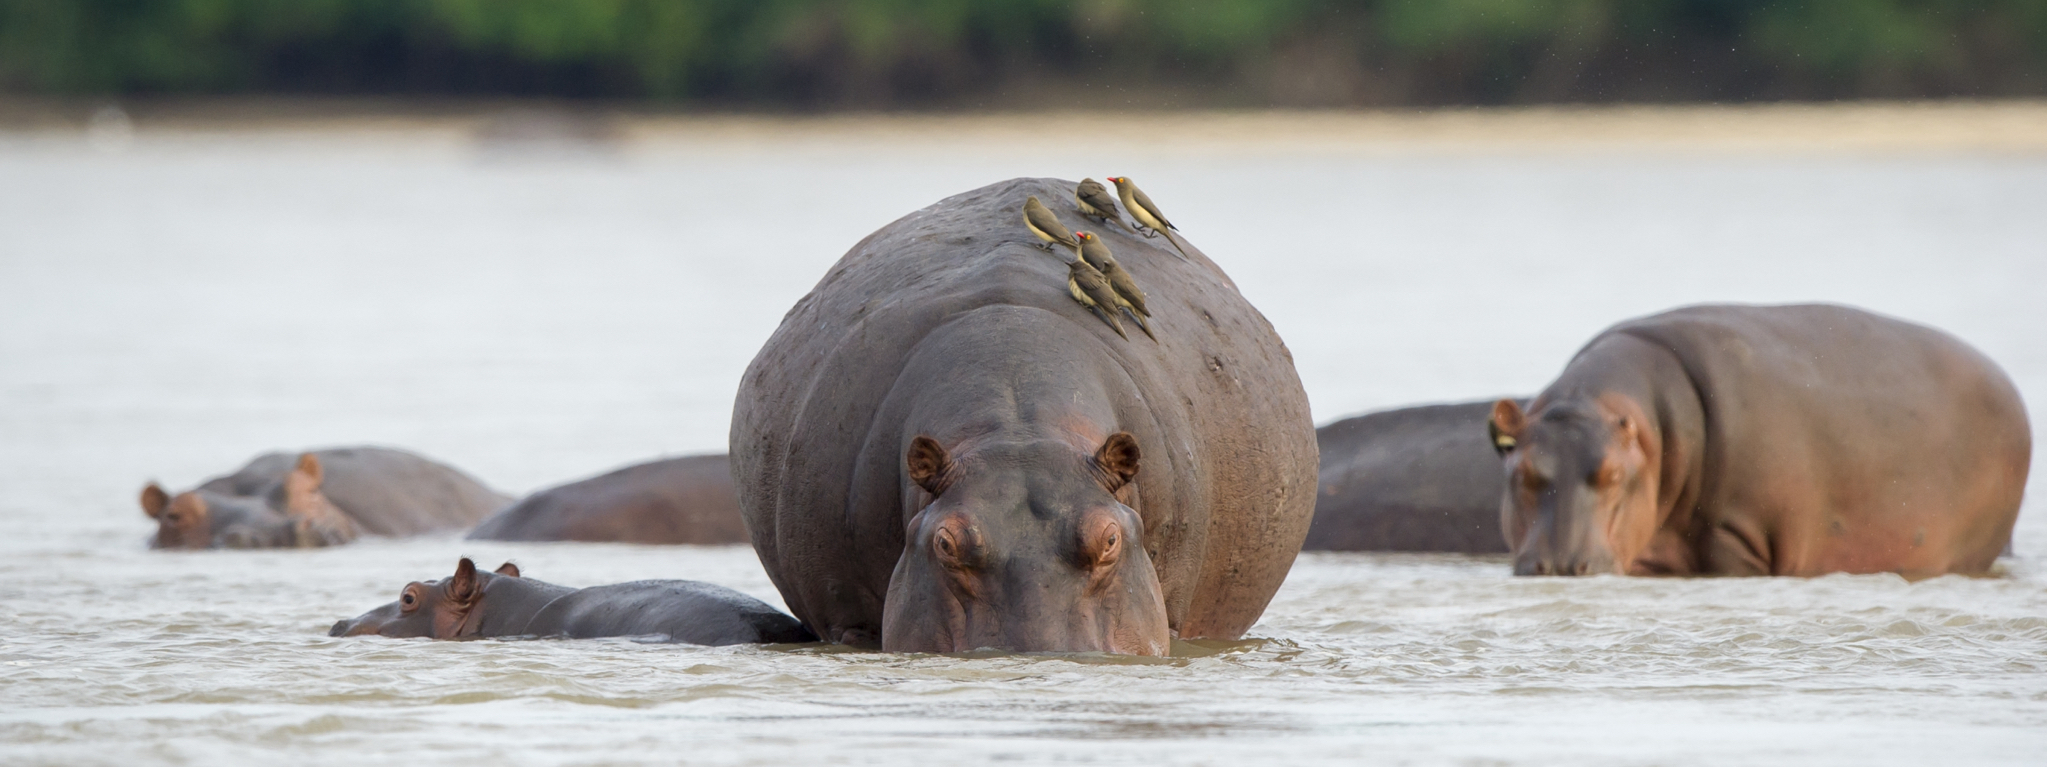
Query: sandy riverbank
x=2001 y=127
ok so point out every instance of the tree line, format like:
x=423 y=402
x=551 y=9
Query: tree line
x=826 y=54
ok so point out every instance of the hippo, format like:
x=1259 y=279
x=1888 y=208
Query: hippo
x=319 y=498
x=941 y=450
x=677 y=500
x=1415 y=479
x=1765 y=440
x=473 y=605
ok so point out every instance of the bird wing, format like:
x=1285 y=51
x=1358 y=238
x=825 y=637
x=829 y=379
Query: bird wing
x=1044 y=220
x=1127 y=288
x=1145 y=200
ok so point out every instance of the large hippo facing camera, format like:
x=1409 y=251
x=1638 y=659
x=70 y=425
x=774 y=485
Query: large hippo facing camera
x=319 y=498
x=476 y=605
x=1765 y=440
x=941 y=450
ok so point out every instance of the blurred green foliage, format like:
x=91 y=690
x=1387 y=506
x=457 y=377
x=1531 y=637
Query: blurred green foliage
x=869 y=53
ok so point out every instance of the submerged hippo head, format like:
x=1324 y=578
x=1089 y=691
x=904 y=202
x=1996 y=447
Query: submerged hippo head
x=1027 y=547
x=451 y=608
x=297 y=514
x=1580 y=496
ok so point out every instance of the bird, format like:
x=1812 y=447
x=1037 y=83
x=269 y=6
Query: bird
x=1045 y=224
x=1096 y=203
x=1092 y=290
x=1146 y=213
x=1128 y=297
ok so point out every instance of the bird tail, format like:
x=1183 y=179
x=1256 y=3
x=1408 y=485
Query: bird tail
x=1141 y=324
x=1111 y=319
x=1176 y=245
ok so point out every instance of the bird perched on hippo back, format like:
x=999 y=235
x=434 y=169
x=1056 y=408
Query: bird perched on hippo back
x=1765 y=440
x=1124 y=289
x=1045 y=224
x=1095 y=202
x=940 y=450
x=1092 y=290
x=1141 y=208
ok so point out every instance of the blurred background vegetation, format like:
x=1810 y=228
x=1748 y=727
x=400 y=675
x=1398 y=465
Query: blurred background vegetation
x=868 y=54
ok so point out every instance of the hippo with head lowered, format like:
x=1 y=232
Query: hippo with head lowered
x=1419 y=478
x=675 y=500
x=1765 y=440
x=319 y=498
x=473 y=605
x=940 y=450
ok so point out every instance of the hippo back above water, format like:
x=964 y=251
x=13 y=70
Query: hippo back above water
x=1766 y=440
x=941 y=450
x=336 y=493
x=672 y=501
x=1414 y=479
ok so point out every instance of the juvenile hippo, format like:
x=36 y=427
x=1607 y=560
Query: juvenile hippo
x=940 y=450
x=471 y=605
x=319 y=498
x=1414 y=479
x=1765 y=440
x=678 y=500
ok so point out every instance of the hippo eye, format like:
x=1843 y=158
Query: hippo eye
x=408 y=600
x=1103 y=545
x=953 y=545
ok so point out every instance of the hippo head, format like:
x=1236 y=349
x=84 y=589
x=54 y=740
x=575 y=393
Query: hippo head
x=1024 y=546
x=443 y=609
x=1581 y=496
x=300 y=515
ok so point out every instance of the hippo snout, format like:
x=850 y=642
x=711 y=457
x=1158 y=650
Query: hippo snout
x=341 y=628
x=1538 y=564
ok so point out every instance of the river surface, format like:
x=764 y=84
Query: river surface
x=173 y=303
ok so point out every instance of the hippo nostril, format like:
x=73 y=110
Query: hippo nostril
x=1582 y=568
x=1542 y=568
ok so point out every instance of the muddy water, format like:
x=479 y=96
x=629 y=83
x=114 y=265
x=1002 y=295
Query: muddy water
x=170 y=306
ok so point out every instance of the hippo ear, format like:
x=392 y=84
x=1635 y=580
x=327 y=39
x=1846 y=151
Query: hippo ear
x=928 y=464
x=1629 y=433
x=1506 y=425
x=462 y=585
x=1117 y=460
x=302 y=488
x=309 y=467
x=508 y=570
x=155 y=500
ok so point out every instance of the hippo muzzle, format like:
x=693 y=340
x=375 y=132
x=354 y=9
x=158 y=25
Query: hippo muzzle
x=962 y=587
